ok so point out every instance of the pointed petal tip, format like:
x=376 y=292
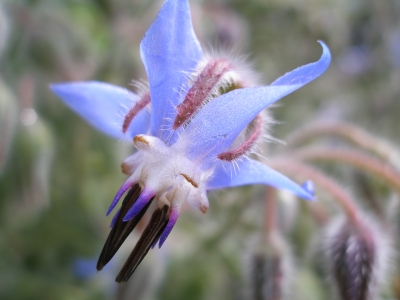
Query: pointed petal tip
x=169 y=50
x=57 y=87
x=308 y=186
x=306 y=73
x=62 y=87
x=326 y=56
x=254 y=172
x=325 y=48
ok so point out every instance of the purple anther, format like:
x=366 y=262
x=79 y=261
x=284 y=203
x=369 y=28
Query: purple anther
x=114 y=219
x=173 y=217
x=141 y=202
x=126 y=186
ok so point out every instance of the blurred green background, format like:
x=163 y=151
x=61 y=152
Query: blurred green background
x=58 y=175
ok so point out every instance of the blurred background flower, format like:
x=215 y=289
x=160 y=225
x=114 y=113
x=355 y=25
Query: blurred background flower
x=58 y=175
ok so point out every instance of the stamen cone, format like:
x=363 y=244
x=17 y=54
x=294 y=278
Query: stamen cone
x=120 y=229
x=151 y=234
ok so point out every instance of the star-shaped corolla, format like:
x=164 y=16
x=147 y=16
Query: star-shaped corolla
x=193 y=129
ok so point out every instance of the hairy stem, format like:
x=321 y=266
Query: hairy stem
x=293 y=166
x=355 y=158
x=349 y=132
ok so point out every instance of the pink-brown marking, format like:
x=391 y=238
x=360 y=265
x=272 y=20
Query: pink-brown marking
x=247 y=145
x=141 y=139
x=126 y=168
x=190 y=180
x=200 y=90
x=135 y=110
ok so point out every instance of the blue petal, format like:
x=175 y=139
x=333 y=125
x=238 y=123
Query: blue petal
x=169 y=51
x=104 y=106
x=309 y=186
x=217 y=125
x=253 y=172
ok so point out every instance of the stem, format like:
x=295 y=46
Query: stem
x=319 y=212
x=349 y=132
x=26 y=91
x=5 y=134
x=357 y=159
x=270 y=211
x=296 y=167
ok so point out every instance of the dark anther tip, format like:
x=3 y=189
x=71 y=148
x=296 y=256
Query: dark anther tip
x=150 y=235
x=120 y=230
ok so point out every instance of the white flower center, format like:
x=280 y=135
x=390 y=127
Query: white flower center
x=167 y=173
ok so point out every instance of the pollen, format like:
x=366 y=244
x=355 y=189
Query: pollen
x=139 y=139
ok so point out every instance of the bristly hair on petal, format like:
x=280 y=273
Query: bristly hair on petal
x=243 y=72
x=144 y=101
x=249 y=140
x=141 y=87
x=215 y=75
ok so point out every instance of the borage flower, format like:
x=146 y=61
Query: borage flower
x=193 y=129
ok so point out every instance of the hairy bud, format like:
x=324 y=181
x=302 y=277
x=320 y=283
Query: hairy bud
x=270 y=270
x=356 y=254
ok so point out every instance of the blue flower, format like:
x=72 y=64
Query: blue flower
x=194 y=128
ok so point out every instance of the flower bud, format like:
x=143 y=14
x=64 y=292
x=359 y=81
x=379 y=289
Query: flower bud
x=356 y=254
x=270 y=270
